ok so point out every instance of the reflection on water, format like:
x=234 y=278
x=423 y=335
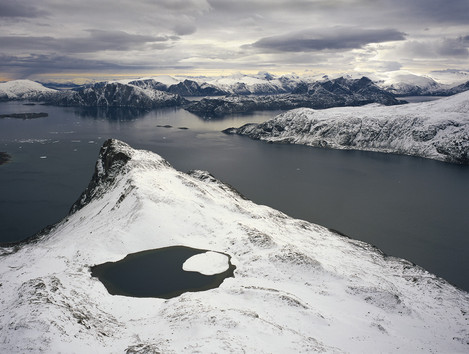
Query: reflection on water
x=409 y=207
x=111 y=113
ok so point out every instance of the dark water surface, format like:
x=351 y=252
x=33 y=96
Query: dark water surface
x=409 y=207
x=157 y=273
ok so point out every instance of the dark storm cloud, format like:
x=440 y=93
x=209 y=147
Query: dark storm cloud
x=14 y=8
x=97 y=40
x=338 y=38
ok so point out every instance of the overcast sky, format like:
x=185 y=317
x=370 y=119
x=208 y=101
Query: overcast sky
x=70 y=39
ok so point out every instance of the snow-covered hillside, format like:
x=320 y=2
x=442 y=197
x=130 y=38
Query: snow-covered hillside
x=101 y=94
x=325 y=94
x=437 y=130
x=298 y=287
x=399 y=83
x=261 y=83
x=408 y=84
x=412 y=85
x=22 y=90
x=113 y=94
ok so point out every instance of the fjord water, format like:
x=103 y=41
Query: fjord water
x=409 y=207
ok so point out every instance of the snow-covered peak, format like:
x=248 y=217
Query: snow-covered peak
x=164 y=79
x=410 y=79
x=451 y=77
x=298 y=287
x=18 y=89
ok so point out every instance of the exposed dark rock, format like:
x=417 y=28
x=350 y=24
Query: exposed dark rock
x=112 y=159
x=4 y=157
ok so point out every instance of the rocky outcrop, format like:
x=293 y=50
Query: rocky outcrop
x=4 y=157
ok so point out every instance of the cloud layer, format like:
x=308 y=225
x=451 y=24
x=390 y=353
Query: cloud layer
x=208 y=36
x=337 y=38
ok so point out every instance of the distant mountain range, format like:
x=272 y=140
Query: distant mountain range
x=331 y=93
x=413 y=85
x=232 y=94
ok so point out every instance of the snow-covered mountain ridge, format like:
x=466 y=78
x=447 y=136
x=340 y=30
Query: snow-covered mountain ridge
x=161 y=91
x=437 y=130
x=102 y=94
x=23 y=90
x=263 y=83
x=414 y=85
x=328 y=93
x=298 y=287
x=113 y=94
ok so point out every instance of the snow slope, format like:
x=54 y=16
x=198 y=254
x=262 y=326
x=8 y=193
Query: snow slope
x=22 y=90
x=437 y=130
x=298 y=287
x=412 y=85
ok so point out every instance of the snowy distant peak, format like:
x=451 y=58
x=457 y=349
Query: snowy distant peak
x=411 y=85
x=259 y=84
x=185 y=87
x=114 y=94
x=346 y=86
x=265 y=75
x=149 y=84
x=411 y=79
x=437 y=129
x=262 y=83
x=22 y=89
x=451 y=77
x=319 y=95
